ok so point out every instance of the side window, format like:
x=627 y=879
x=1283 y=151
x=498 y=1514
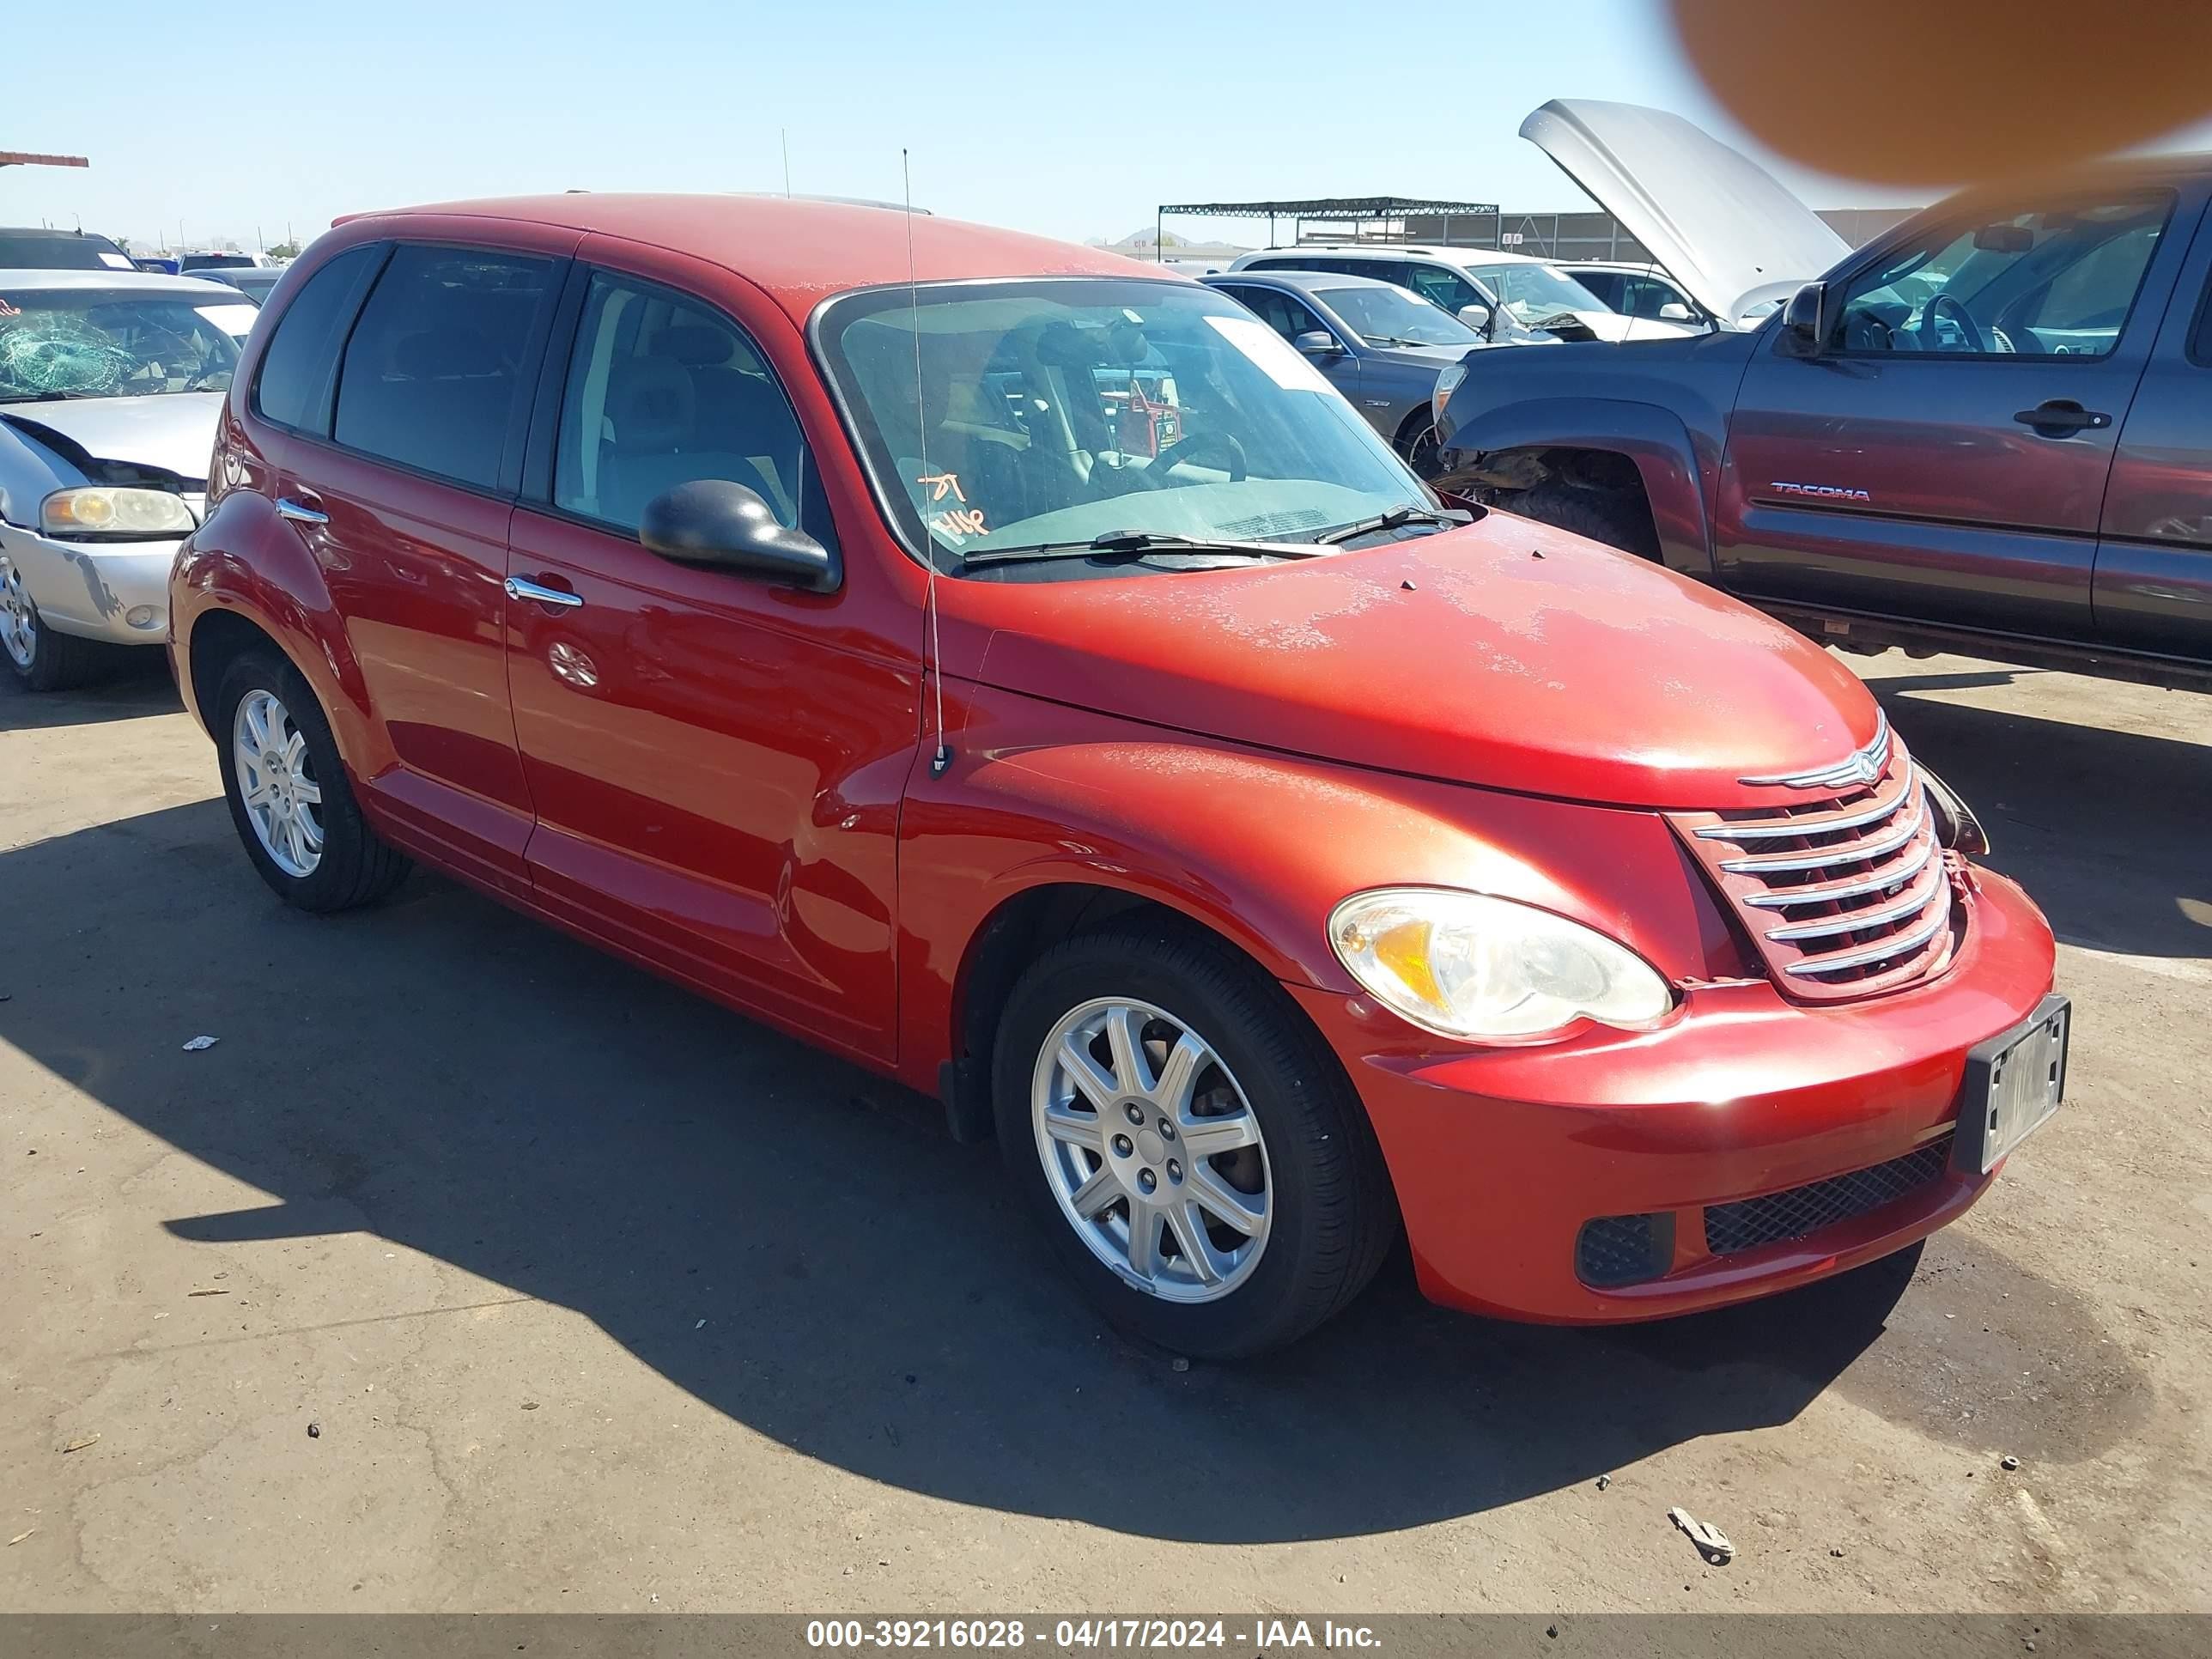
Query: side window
x=663 y=390
x=1445 y=288
x=1285 y=315
x=1609 y=285
x=433 y=373
x=295 y=379
x=2048 y=282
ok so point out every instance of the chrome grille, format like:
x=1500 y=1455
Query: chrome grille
x=1846 y=895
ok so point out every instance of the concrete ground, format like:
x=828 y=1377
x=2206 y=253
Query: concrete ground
x=471 y=1270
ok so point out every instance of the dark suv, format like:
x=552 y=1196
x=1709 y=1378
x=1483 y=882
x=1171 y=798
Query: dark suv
x=1991 y=431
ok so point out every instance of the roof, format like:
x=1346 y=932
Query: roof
x=1311 y=281
x=800 y=251
x=1457 y=256
x=30 y=279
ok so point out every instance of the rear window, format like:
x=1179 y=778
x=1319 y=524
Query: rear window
x=35 y=251
x=216 y=262
x=294 y=381
x=432 y=376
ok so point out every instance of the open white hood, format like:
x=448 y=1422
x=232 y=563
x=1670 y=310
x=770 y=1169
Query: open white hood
x=1719 y=223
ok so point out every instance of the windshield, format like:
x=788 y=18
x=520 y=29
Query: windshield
x=101 y=342
x=1053 y=411
x=1384 y=315
x=1532 y=292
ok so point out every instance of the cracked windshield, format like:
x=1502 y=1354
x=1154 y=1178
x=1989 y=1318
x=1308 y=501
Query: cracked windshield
x=96 y=342
x=1052 y=413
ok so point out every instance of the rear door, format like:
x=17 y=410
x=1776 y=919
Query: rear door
x=1943 y=456
x=404 y=495
x=2154 y=580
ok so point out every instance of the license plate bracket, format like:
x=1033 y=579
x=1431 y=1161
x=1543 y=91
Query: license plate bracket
x=2014 y=1082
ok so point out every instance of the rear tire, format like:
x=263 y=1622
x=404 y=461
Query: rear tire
x=1299 y=1155
x=40 y=658
x=288 y=792
x=1617 y=518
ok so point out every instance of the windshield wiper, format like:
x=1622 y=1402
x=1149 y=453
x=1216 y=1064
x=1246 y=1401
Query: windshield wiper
x=1137 y=541
x=1390 y=520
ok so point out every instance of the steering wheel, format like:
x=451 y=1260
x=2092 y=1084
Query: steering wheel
x=1968 y=331
x=1199 y=443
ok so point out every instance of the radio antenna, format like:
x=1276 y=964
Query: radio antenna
x=932 y=666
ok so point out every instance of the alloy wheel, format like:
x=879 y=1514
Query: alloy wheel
x=1152 y=1150
x=276 y=782
x=19 y=618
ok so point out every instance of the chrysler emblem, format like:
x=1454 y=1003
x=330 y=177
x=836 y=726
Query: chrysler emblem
x=1859 y=769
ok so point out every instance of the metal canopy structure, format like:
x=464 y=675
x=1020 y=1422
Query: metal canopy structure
x=24 y=158
x=1356 y=210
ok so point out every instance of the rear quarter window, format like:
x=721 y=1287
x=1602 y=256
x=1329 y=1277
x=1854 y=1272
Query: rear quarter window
x=293 y=388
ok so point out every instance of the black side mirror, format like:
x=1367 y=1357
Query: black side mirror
x=722 y=525
x=1806 y=318
x=1318 y=343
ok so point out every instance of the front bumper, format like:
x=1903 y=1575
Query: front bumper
x=1500 y=1157
x=113 y=591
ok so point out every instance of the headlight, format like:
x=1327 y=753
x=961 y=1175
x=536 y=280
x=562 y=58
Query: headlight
x=1464 y=965
x=1447 y=383
x=124 y=514
x=1955 y=822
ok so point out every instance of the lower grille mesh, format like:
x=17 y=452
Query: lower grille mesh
x=1622 y=1249
x=1731 y=1229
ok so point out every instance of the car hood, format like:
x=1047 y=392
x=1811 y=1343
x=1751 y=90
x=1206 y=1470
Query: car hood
x=1435 y=358
x=1507 y=654
x=1612 y=326
x=1721 y=225
x=173 y=431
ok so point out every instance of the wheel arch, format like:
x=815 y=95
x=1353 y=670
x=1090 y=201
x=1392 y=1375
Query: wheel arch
x=244 y=577
x=1587 y=440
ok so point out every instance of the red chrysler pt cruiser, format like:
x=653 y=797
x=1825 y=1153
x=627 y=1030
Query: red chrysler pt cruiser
x=1018 y=671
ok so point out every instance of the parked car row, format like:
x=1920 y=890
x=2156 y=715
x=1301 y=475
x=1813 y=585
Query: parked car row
x=1023 y=672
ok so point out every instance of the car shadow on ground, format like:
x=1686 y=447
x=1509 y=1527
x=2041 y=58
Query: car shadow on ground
x=135 y=686
x=464 y=1083
x=2106 y=829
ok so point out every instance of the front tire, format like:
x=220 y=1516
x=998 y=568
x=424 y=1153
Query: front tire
x=41 y=658
x=288 y=793
x=1188 y=1142
x=1617 y=518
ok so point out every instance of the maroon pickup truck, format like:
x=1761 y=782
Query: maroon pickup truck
x=1990 y=431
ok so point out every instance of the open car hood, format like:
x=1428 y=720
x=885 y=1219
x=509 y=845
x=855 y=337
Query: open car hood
x=1720 y=224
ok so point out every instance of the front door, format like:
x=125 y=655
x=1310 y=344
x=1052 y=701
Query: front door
x=405 y=500
x=717 y=763
x=1943 y=455
x=2155 y=563
x=1289 y=317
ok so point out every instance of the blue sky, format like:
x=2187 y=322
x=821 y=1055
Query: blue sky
x=1071 y=120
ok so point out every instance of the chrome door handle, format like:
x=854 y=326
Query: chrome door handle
x=299 y=511
x=520 y=587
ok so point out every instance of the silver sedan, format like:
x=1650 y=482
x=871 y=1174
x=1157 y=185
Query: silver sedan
x=110 y=383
